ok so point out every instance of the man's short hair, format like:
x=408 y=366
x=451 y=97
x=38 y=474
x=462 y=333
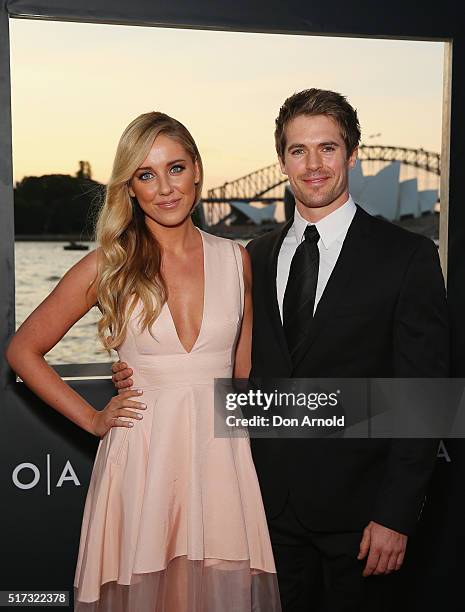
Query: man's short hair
x=318 y=102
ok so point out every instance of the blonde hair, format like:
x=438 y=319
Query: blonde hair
x=129 y=254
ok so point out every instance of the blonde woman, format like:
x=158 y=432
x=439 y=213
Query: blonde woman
x=174 y=520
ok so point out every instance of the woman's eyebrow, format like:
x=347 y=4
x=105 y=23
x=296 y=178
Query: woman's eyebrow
x=174 y=161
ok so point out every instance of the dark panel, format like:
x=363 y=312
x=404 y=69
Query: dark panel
x=456 y=250
x=396 y=18
x=7 y=236
x=42 y=525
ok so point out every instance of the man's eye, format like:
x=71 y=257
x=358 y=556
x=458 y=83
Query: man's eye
x=297 y=151
x=328 y=149
x=177 y=169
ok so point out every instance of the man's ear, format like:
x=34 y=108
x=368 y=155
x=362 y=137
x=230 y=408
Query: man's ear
x=282 y=165
x=352 y=158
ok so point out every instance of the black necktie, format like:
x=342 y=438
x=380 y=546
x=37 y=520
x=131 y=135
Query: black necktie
x=299 y=297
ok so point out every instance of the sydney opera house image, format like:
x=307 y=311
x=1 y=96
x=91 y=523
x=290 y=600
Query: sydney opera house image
x=384 y=193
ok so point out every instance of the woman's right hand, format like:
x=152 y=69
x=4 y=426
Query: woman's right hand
x=118 y=406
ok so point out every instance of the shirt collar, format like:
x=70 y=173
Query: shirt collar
x=330 y=227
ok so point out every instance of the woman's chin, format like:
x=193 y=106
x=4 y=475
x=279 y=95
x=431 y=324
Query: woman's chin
x=171 y=218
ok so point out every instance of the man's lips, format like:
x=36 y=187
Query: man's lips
x=168 y=203
x=316 y=180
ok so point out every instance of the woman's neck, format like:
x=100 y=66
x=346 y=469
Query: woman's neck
x=177 y=238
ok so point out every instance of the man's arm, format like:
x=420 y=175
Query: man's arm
x=421 y=326
x=420 y=349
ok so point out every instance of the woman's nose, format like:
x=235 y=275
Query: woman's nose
x=165 y=185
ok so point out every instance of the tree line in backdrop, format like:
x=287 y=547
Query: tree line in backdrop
x=59 y=204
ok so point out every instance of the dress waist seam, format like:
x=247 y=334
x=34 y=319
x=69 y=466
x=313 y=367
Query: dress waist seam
x=175 y=384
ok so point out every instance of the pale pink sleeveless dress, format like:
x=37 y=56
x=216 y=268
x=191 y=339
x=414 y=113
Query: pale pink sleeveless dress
x=174 y=520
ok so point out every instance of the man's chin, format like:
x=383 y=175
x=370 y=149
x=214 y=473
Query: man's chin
x=317 y=203
x=319 y=200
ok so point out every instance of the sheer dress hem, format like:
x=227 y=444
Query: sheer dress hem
x=186 y=585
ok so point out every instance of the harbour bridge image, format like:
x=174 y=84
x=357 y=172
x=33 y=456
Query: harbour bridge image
x=400 y=184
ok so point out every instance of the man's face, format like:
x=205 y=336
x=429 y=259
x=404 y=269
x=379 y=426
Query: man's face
x=316 y=163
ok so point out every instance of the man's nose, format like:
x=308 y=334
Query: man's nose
x=313 y=160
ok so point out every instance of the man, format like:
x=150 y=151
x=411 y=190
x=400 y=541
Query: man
x=339 y=293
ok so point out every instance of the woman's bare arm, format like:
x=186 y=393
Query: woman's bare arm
x=74 y=295
x=44 y=328
x=243 y=359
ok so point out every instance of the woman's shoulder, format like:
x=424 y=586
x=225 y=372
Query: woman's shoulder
x=222 y=243
x=90 y=264
x=86 y=271
x=228 y=246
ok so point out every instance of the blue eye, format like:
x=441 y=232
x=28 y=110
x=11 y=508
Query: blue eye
x=177 y=169
x=144 y=176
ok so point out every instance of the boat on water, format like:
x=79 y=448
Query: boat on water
x=76 y=246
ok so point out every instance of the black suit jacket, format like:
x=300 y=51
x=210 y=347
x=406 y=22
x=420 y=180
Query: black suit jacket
x=383 y=314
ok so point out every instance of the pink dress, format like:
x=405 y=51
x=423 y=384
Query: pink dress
x=174 y=520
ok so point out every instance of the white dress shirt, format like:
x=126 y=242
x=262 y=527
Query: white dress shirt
x=332 y=230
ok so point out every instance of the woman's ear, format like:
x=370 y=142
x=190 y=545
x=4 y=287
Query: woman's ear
x=131 y=190
x=196 y=172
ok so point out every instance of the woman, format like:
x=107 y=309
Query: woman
x=173 y=520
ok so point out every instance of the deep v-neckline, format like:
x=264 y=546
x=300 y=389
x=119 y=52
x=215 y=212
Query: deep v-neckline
x=203 y=307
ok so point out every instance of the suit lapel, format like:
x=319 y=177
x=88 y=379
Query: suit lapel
x=273 y=298
x=347 y=263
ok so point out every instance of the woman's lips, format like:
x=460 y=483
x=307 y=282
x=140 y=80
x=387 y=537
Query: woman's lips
x=169 y=204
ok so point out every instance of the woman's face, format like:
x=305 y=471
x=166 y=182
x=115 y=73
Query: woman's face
x=164 y=184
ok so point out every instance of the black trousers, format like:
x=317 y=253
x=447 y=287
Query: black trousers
x=320 y=572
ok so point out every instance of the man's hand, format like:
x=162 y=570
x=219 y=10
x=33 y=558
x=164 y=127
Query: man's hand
x=121 y=375
x=385 y=548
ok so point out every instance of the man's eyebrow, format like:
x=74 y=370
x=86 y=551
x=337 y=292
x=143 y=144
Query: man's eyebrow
x=297 y=145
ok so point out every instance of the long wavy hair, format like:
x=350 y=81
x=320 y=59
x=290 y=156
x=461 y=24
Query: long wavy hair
x=129 y=265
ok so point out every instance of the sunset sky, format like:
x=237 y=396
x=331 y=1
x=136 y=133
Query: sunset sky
x=76 y=86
